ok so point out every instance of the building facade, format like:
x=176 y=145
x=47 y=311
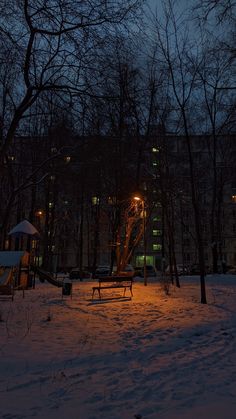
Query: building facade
x=76 y=190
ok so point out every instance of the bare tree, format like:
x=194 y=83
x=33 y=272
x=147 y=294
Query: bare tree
x=214 y=71
x=174 y=52
x=224 y=8
x=53 y=45
x=219 y=14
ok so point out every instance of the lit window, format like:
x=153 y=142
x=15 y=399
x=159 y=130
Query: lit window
x=52 y=177
x=50 y=204
x=12 y=158
x=157 y=218
x=156 y=232
x=154 y=164
x=53 y=150
x=155 y=150
x=66 y=202
x=111 y=200
x=95 y=200
x=67 y=159
x=156 y=246
x=233 y=199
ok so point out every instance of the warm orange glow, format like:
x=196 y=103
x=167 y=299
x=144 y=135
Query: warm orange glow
x=39 y=213
x=137 y=198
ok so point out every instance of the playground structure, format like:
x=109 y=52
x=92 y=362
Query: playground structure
x=19 y=263
x=17 y=273
x=18 y=269
x=64 y=283
x=43 y=275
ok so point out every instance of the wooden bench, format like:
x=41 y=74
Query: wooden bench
x=114 y=282
x=7 y=290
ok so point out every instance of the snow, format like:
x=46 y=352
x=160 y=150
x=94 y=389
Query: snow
x=152 y=356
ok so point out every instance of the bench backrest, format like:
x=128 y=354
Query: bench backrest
x=115 y=279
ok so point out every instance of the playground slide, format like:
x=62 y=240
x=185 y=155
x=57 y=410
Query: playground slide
x=6 y=277
x=6 y=284
x=43 y=275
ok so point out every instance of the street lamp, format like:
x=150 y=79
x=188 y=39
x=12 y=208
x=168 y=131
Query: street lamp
x=40 y=218
x=143 y=215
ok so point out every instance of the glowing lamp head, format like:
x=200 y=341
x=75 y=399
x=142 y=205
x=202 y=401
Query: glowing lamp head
x=39 y=213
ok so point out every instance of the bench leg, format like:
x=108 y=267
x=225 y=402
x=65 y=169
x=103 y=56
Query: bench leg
x=131 y=292
x=98 y=290
x=124 y=291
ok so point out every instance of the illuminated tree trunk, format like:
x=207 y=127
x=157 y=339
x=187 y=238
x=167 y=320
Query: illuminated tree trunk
x=132 y=234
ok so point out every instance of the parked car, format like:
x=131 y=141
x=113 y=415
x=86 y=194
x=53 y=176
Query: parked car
x=75 y=274
x=138 y=271
x=102 y=270
x=195 y=269
x=150 y=271
x=231 y=270
x=181 y=269
x=127 y=271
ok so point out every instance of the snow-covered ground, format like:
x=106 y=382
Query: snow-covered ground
x=149 y=357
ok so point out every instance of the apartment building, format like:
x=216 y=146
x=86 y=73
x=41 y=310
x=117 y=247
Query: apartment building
x=77 y=185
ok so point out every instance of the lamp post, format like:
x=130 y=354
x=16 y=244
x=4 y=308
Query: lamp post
x=143 y=215
x=39 y=214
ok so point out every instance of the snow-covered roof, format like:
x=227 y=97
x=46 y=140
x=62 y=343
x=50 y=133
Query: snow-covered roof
x=24 y=228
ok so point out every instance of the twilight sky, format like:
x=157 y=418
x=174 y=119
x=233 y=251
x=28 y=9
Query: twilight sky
x=182 y=5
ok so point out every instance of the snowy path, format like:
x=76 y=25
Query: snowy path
x=154 y=356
